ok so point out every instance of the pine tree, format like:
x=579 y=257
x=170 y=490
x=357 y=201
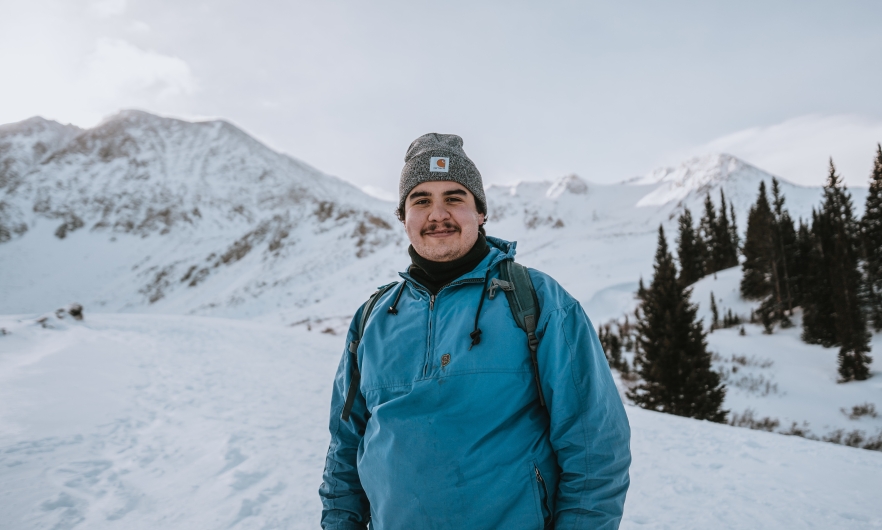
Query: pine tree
x=818 y=322
x=673 y=360
x=871 y=228
x=768 y=252
x=612 y=346
x=715 y=313
x=756 y=282
x=839 y=246
x=801 y=273
x=689 y=251
x=733 y=231
x=725 y=251
x=785 y=247
x=707 y=230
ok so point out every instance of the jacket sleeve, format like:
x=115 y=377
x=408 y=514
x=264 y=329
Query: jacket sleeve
x=588 y=426
x=344 y=503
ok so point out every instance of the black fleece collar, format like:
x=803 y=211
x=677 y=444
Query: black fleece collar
x=436 y=274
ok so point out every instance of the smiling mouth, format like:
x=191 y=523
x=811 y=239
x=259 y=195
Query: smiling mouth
x=441 y=233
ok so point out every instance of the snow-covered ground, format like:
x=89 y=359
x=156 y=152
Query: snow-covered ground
x=137 y=421
x=780 y=377
x=149 y=421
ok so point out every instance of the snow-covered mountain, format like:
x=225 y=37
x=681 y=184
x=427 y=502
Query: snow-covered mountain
x=144 y=213
x=599 y=239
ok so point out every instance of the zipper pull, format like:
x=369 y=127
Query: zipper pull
x=538 y=476
x=431 y=302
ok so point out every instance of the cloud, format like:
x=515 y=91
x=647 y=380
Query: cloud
x=60 y=60
x=107 y=8
x=799 y=149
x=119 y=70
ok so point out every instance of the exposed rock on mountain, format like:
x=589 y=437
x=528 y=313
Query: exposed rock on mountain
x=23 y=146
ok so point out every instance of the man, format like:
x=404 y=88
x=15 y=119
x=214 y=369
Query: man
x=447 y=429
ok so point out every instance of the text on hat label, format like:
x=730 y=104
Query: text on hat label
x=439 y=164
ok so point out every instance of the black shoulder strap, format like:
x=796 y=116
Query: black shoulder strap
x=524 y=305
x=353 y=349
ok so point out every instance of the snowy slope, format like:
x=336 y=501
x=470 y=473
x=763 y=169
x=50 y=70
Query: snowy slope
x=780 y=377
x=147 y=421
x=143 y=212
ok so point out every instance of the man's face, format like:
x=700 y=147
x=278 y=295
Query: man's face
x=442 y=220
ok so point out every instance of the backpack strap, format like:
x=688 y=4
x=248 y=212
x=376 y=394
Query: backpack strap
x=353 y=349
x=518 y=288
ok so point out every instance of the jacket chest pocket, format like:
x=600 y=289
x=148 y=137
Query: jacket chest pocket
x=502 y=347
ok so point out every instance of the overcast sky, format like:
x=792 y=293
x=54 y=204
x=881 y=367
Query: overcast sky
x=538 y=90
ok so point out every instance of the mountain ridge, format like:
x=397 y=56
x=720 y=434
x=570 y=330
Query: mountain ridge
x=163 y=215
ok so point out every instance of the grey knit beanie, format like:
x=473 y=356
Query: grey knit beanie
x=436 y=156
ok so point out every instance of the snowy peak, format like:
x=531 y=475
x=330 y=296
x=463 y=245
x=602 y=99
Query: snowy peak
x=136 y=172
x=39 y=129
x=696 y=171
x=687 y=186
x=698 y=176
x=570 y=184
x=25 y=144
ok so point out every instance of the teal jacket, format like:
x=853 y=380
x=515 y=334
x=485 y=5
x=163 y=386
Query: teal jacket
x=445 y=435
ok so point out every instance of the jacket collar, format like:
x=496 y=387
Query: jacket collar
x=500 y=250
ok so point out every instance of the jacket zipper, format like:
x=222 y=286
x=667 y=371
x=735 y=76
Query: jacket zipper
x=429 y=336
x=432 y=308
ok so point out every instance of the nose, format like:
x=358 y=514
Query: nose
x=439 y=212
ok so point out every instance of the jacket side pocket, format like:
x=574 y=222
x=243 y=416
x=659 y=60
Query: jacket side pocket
x=540 y=495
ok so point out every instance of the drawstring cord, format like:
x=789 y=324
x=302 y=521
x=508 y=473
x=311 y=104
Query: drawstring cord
x=392 y=308
x=476 y=334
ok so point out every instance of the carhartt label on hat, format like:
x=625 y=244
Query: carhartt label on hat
x=439 y=164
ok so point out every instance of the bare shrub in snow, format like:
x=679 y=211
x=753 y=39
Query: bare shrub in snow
x=800 y=430
x=744 y=360
x=874 y=443
x=852 y=439
x=859 y=411
x=75 y=310
x=748 y=419
x=750 y=383
x=734 y=376
x=855 y=438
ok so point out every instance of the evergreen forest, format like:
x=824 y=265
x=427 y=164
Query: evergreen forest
x=829 y=267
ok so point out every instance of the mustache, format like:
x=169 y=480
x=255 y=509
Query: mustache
x=446 y=225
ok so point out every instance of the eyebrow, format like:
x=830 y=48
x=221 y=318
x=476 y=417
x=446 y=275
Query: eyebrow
x=418 y=194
